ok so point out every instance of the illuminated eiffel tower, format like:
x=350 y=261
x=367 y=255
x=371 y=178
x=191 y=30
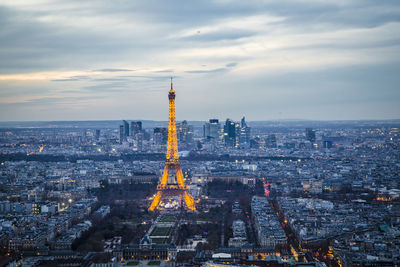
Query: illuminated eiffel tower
x=172 y=165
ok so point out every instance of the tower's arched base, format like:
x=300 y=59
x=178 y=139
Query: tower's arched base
x=171 y=191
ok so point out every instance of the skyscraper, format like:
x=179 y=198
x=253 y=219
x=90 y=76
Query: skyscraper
x=243 y=122
x=244 y=137
x=211 y=130
x=229 y=133
x=160 y=135
x=126 y=128
x=136 y=127
x=123 y=131
x=185 y=133
x=237 y=135
x=327 y=144
x=121 y=134
x=139 y=141
x=310 y=135
x=97 y=134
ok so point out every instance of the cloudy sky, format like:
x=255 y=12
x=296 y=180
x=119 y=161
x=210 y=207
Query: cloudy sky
x=268 y=60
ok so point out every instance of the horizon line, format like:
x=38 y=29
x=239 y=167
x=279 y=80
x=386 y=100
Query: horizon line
x=268 y=120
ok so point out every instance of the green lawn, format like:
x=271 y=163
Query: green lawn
x=154 y=263
x=159 y=240
x=132 y=263
x=161 y=231
x=168 y=218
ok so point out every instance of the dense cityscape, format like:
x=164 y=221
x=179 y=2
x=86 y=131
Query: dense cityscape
x=212 y=133
x=291 y=193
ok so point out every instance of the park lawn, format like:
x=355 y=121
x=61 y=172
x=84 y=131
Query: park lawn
x=161 y=231
x=159 y=240
x=168 y=218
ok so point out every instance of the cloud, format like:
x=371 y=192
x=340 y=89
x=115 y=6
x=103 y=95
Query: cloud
x=113 y=79
x=60 y=100
x=231 y=34
x=207 y=71
x=162 y=71
x=150 y=77
x=65 y=80
x=113 y=70
x=72 y=48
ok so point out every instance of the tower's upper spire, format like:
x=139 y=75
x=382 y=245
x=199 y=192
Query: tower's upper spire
x=172 y=88
x=171 y=94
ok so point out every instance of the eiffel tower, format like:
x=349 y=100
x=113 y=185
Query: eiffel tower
x=172 y=165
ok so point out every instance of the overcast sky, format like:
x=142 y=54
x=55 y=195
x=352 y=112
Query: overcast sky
x=267 y=60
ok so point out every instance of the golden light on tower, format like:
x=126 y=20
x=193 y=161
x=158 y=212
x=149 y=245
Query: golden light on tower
x=172 y=164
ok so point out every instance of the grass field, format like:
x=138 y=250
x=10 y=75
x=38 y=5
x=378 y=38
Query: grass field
x=159 y=240
x=168 y=218
x=161 y=231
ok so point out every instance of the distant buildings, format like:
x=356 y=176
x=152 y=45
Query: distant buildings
x=135 y=132
x=121 y=134
x=184 y=133
x=344 y=193
x=270 y=141
x=212 y=134
x=244 y=135
x=160 y=135
x=230 y=133
x=327 y=144
x=97 y=135
x=136 y=127
x=236 y=134
x=212 y=130
x=123 y=131
x=310 y=135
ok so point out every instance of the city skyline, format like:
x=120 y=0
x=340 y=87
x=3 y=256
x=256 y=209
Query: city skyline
x=320 y=60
